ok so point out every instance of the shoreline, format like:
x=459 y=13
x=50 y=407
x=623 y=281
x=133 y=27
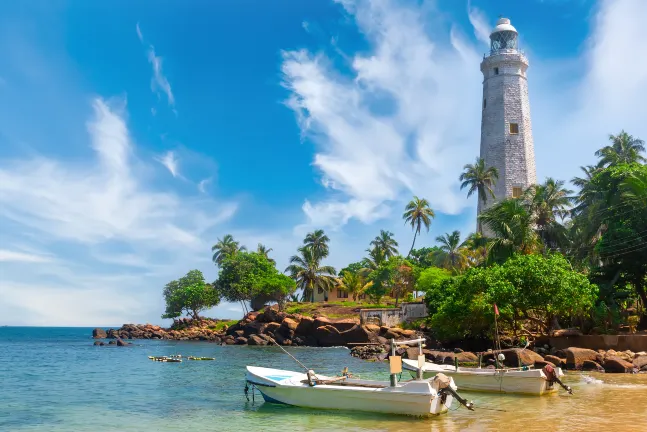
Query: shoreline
x=367 y=342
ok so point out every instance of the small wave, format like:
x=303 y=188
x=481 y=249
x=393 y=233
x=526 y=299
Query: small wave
x=590 y=380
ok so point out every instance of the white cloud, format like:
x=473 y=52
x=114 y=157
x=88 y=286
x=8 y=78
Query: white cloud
x=117 y=240
x=159 y=82
x=479 y=21
x=203 y=184
x=170 y=161
x=14 y=256
x=139 y=33
x=403 y=122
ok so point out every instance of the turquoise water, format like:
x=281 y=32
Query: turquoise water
x=54 y=379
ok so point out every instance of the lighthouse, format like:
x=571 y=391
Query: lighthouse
x=506 y=129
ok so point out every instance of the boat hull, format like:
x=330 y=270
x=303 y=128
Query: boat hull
x=415 y=400
x=528 y=382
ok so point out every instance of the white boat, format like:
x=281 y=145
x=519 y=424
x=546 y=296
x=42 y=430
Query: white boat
x=529 y=381
x=416 y=397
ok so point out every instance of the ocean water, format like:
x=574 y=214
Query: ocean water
x=54 y=379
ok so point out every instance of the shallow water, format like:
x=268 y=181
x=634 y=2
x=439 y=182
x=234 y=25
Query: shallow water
x=53 y=379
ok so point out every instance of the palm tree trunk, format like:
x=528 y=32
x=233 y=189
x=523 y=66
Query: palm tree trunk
x=413 y=244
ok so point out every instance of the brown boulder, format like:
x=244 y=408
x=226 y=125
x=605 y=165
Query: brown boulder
x=413 y=352
x=394 y=333
x=306 y=325
x=98 y=343
x=373 y=328
x=590 y=365
x=617 y=365
x=229 y=340
x=559 y=362
x=466 y=357
x=272 y=314
x=253 y=327
x=270 y=328
x=120 y=342
x=240 y=341
x=99 y=333
x=514 y=357
x=640 y=362
x=321 y=321
x=256 y=340
x=328 y=336
x=344 y=324
x=575 y=357
x=357 y=334
x=288 y=324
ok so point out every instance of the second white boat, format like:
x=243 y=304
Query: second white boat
x=531 y=381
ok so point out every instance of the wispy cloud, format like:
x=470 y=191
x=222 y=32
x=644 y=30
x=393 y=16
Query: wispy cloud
x=399 y=123
x=112 y=232
x=159 y=82
x=479 y=21
x=14 y=256
x=203 y=184
x=170 y=161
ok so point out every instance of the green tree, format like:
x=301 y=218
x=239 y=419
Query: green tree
x=395 y=275
x=246 y=275
x=452 y=254
x=317 y=242
x=479 y=179
x=624 y=149
x=355 y=268
x=265 y=251
x=513 y=228
x=353 y=283
x=418 y=214
x=424 y=257
x=308 y=273
x=430 y=283
x=385 y=244
x=190 y=294
x=545 y=203
x=526 y=288
x=224 y=248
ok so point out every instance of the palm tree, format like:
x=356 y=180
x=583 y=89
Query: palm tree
x=512 y=226
x=624 y=148
x=373 y=260
x=453 y=254
x=353 y=283
x=317 y=241
x=475 y=249
x=418 y=213
x=309 y=274
x=225 y=247
x=265 y=251
x=479 y=179
x=589 y=172
x=386 y=244
x=544 y=203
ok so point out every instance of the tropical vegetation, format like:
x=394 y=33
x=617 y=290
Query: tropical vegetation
x=548 y=258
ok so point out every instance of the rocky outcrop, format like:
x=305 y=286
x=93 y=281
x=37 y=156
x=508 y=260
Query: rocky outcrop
x=640 y=362
x=99 y=333
x=575 y=357
x=369 y=352
x=618 y=365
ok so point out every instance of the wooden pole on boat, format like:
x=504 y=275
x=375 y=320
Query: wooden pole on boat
x=394 y=381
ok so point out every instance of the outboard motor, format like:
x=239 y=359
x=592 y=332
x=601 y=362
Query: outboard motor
x=444 y=385
x=551 y=376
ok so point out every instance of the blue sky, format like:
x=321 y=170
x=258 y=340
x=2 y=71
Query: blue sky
x=134 y=134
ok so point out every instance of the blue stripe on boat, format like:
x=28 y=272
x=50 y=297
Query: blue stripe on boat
x=271 y=400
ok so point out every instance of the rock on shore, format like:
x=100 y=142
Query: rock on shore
x=266 y=328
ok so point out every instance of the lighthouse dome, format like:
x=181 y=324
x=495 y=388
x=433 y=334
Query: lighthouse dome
x=503 y=24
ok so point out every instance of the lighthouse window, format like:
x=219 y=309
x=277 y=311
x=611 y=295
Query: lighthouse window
x=496 y=71
x=484 y=103
x=514 y=128
x=516 y=192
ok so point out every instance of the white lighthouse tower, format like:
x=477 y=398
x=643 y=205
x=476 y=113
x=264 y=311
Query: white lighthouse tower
x=506 y=131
